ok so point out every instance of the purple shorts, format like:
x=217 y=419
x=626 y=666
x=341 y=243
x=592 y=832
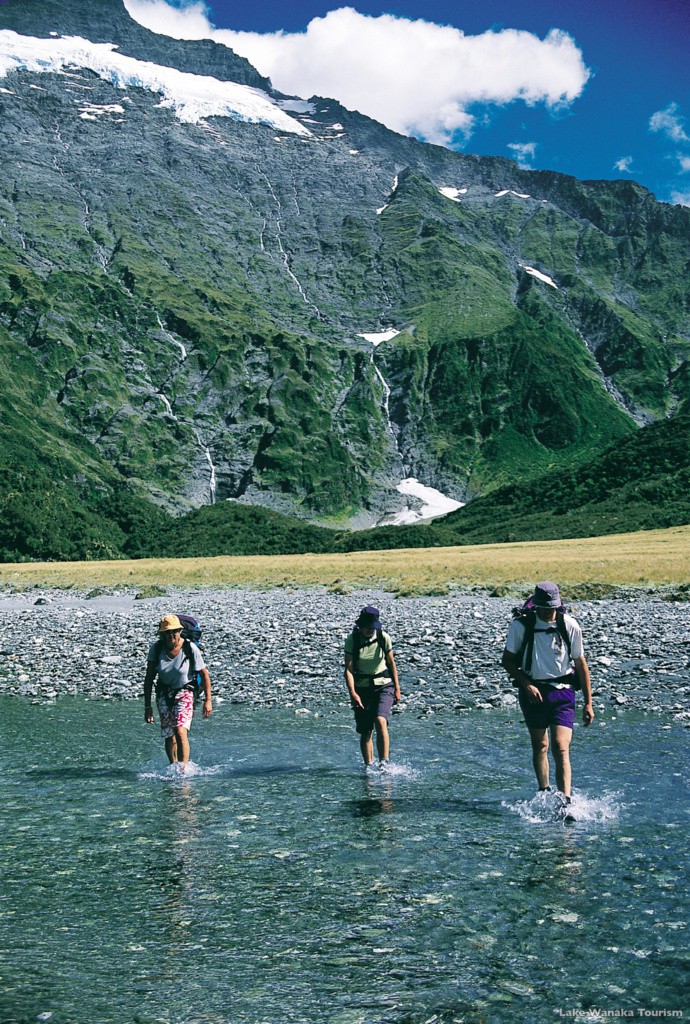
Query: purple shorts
x=175 y=712
x=557 y=707
x=378 y=703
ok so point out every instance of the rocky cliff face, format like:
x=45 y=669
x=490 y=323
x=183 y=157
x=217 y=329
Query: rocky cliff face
x=183 y=296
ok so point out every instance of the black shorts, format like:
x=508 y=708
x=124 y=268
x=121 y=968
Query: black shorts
x=378 y=703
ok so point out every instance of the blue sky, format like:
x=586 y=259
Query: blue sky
x=597 y=90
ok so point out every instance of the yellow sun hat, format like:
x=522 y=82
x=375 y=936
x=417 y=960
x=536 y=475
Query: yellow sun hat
x=169 y=623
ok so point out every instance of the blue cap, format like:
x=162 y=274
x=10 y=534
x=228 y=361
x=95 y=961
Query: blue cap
x=546 y=595
x=369 y=618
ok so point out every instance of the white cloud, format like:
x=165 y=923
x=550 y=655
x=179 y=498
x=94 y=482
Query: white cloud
x=624 y=164
x=523 y=152
x=185 y=20
x=684 y=163
x=416 y=77
x=680 y=198
x=670 y=123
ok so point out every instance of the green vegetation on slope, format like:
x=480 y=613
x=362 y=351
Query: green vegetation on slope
x=641 y=483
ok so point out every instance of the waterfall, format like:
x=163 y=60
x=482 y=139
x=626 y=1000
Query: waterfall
x=212 y=469
x=434 y=503
x=169 y=336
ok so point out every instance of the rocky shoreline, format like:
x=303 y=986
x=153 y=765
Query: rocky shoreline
x=282 y=648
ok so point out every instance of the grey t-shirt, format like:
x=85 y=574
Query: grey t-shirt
x=175 y=673
x=550 y=658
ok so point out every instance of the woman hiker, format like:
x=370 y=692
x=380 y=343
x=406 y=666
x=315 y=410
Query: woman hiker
x=372 y=681
x=174 y=662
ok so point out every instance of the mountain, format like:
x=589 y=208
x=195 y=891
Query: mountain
x=190 y=262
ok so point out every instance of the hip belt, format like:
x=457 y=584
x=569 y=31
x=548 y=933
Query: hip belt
x=567 y=680
x=362 y=680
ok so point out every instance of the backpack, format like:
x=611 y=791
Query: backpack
x=527 y=615
x=357 y=646
x=191 y=632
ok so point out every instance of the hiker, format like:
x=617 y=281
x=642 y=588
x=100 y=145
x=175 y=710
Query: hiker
x=174 y=662
x=545 y=658
x=372 y=680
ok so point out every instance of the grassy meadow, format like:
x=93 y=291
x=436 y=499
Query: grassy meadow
x=584 y=567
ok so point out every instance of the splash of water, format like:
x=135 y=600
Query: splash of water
x=392 y=770
x=548 y=807
x=181 y=772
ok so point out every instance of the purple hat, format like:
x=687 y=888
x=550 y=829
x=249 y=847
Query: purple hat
x=369 y=618
x=546 y=595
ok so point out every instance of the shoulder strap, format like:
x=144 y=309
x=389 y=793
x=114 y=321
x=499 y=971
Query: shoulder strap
x=356 y=644
x=529 y=621
x=189 y=655
x=562 y=629
x=381 y=642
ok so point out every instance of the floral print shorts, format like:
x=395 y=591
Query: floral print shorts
x=175 y=711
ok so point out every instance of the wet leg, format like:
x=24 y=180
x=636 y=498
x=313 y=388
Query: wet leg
x=540 y=759
x=560 y=741
x=367 y=747
x=181 y=739
x=383 y=742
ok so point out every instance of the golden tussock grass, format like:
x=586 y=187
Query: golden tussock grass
x=651 y=558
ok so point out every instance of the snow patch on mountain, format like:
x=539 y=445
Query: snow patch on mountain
x=539 y=276
x=92 y=111
x=435 y=503
x=297 y=106
x=512 y=192
x=392 y=193
x=191 y=97
x=453 y=193
x=376 y=339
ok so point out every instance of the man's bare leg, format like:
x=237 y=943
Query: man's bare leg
x=561 y=736
x=540 y=759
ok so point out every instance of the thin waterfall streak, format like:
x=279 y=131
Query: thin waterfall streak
x=169 y=336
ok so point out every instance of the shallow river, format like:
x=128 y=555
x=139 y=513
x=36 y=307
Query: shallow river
x=277 y=883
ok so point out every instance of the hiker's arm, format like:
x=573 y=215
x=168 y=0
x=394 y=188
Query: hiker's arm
x=208 y=706
x=582 y=672
x=511 y=663
x=350 y=682
x=148 y=687
x=393 y=669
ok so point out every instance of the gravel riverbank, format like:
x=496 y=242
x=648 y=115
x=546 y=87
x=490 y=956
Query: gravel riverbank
x=283 y=648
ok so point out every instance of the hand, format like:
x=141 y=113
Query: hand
x=356 y=700
x=148 y=714
x=534 y=695
x=208 y=708
x=587 y=715
x=396 y=696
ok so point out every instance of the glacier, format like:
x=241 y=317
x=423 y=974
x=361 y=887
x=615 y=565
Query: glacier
x=190 y=97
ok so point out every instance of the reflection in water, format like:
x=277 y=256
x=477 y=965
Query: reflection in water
x=370 y=807
x=177 y=859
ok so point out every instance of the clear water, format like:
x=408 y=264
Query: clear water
x=277 y=882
